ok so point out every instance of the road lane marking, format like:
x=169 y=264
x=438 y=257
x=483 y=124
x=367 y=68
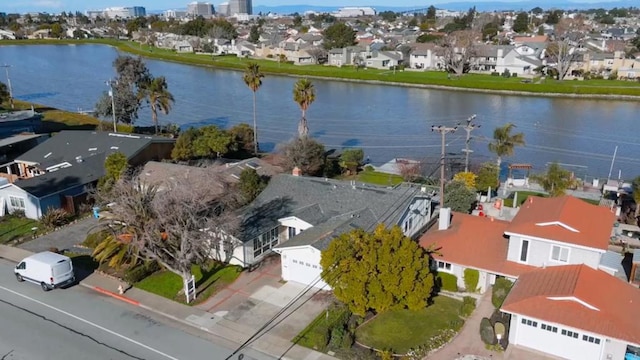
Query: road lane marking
x=89 y=323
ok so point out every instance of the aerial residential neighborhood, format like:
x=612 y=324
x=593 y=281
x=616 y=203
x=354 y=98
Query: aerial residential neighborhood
x=247 y=181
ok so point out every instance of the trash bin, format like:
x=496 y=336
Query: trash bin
x=96 y=212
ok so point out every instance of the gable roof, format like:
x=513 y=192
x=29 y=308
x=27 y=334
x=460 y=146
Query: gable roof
x=580 y=297
x=68 y=145
x=565 y=219
x=474 y=241
x=317 y=200
x=89 y=170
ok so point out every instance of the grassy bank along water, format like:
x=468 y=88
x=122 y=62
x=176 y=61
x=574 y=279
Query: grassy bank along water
x=615 y=89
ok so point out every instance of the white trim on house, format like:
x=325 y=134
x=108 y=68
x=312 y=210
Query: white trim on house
x=508 y=276
x=573 y=298
x=294 y=222
x=558 y=223
x=561 y=243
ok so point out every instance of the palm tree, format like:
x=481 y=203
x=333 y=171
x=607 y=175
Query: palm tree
x=157 y=94
x=504 y=142
x=253 y=78
x=304 y=94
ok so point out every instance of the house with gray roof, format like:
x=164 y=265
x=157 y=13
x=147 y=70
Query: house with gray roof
x=59 y=171
x=297 y=217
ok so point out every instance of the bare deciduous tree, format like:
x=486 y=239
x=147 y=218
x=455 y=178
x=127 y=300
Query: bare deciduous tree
x=177 y=223
x=560 y=52
x=409 y=170
x=457 y=49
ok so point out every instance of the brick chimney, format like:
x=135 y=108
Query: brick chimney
x=296 y=171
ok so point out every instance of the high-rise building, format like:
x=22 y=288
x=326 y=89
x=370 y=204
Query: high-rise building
x=138 y=11
x=240 y=7
x=119 y=12
x=174 y=14
x=223 y=9
x=203 y=9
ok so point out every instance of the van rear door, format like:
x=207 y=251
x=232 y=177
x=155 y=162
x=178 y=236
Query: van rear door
x=62 y=271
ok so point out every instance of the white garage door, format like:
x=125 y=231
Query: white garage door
x=558 y=341
x=304 y=272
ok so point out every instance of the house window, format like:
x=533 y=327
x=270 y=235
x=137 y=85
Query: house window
x=529 y=322
x=444 y=265
x=291 y=232
x=524 y=250
x=549 y=328
x=16 y=202
x=591 y=339
x=265 y=242
x=559 y=253
x=570 y=334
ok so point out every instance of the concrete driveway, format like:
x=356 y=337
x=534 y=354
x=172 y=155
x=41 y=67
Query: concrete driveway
x=255 y=297
x=66 y=238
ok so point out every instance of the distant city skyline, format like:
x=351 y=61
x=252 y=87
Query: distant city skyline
x=54 y=6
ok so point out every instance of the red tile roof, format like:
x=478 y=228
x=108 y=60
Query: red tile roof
x=474 y=241
x=581 y=289
x=566 y=219
x=530 y=39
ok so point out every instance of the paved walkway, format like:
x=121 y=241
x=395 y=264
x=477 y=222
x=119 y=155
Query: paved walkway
x=65 y=238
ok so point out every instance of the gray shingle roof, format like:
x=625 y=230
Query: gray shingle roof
x=78 y=174
x=324 y=203
x=69 y=144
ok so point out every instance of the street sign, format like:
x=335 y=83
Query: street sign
x=190 y=289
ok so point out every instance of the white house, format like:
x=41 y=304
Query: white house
x=545 y=232
x=424 y=58
x=575 y=312
x=297 y=217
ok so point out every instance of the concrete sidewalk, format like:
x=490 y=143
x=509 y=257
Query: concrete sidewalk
x=187 y=315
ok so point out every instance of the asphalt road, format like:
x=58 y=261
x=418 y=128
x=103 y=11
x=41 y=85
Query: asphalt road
x=78 y=323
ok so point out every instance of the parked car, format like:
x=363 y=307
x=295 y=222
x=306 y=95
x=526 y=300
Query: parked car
x=47 y=269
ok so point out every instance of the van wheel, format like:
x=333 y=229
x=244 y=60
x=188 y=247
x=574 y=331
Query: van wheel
x=19 y=278
x=44 y=286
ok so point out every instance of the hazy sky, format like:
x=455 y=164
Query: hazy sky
x=53 y=6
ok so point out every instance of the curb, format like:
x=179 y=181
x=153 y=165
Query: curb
x=140 y=305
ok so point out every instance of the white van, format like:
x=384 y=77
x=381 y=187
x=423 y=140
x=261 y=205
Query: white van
x=48 y=269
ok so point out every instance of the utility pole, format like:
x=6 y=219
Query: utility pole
x=443 y=130
x=110 y=83
x=469 y=127
x=6 y=69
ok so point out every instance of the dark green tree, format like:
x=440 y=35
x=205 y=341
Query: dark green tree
x=537 y=10
x=115 y=166
x=487 y=176
x=521 y=23
x=350 y=159
x=304 y=153
x=379 y=271
x=304 y=94
x=253 y=79
x=57 y=31
x=553 y=17
x=222 y=29
x=254 y=34
x=431 y=13
x=4 y=93
x=339 y=35
x=184 y=149
x=389 y=16
x=555 y=181
x=251 y=184
x=459 y=197
x=213 y=142
x=156 y=94
x=244 y=138
x=504 y=142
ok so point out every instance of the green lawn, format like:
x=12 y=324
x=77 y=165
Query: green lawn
x=522 y=196
x=402 y=330
x=470 y=81
x=208 y=280
x=14 y=227
x=374 y=177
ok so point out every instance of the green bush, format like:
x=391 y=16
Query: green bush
x=471 y=277
x=322 y=340
x=139 y=272
x=495 y=73
x=54 y=218
x=456 y=324
x=467 y=307
x=500 y=291
x=448 y=282
x=487 y=334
